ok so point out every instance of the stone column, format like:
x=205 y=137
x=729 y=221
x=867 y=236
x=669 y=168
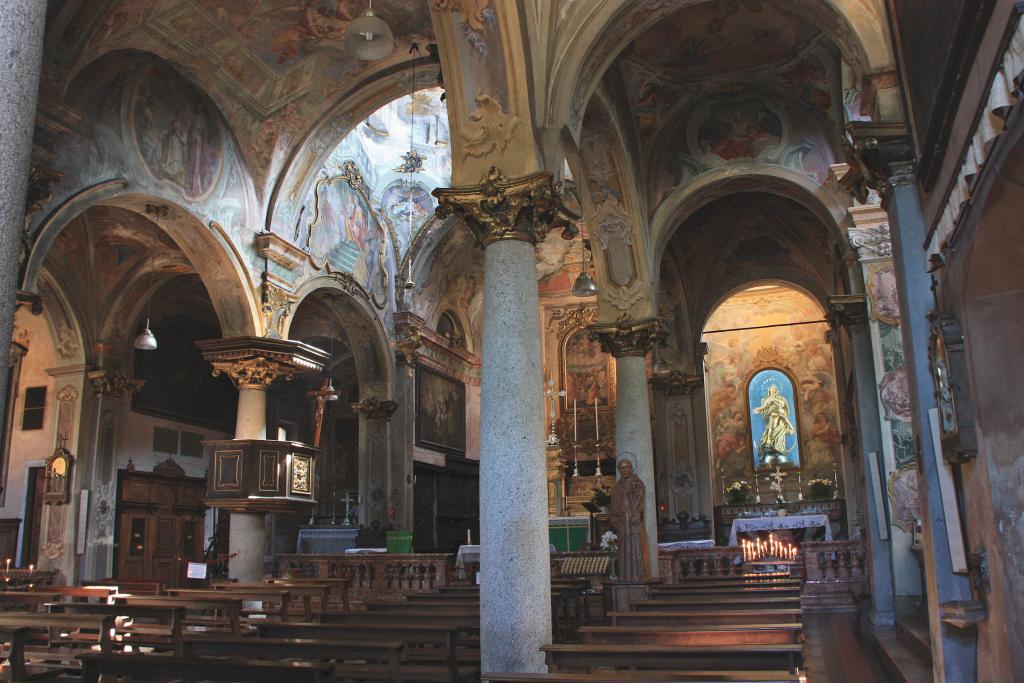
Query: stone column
x=374 y=471
x=630 y=342
x=850 y=312
x=508 y=217
x=21 y=43
x=403 y=424
x=953 y=648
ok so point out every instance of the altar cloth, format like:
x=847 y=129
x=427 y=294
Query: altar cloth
x=747 y=525
x=683 y=545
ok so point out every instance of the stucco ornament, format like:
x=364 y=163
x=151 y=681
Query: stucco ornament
x=623 y=298
x=67 y=341
x=490 y=127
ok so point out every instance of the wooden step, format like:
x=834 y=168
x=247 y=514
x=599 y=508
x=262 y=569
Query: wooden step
x=649 y=677
x=913 y=631
x=901 y=661
x=671 y=617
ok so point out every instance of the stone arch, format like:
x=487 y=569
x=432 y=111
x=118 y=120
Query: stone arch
x=375 y=367
x=217 y=260
x=784 y=182
x=791 y=279
x=605 y=29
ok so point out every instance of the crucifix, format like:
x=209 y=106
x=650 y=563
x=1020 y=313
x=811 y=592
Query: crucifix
x=325 y=393
x=553 y=396
x=775 y=483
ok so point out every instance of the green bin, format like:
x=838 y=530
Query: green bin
x=399 y=542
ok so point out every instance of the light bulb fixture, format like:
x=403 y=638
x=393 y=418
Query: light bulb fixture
x=328 y=388
x=369 y=37
x=584 y=285
x=146 y=341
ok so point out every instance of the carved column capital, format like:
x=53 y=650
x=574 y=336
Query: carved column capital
x=880 y=156
x=628 y=337
x=500 y=208
x=255 y=362
x=252 y=373
x=407 y=343
x=375 y=409
x=677 y=383
x=114 y=383
x=850 y=311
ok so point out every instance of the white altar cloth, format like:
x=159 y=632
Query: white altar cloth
x=746 y=525
x=365 y=551
x=682 y=545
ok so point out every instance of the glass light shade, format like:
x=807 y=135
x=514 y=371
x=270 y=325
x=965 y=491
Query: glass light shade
x=146 y=341
x=333 y=396
x=369 y=37
x=584 y=285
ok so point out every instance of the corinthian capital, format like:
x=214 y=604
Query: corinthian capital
x=628 y=337
x=252 y=373
x=502 y=209
x=375 y=409
x=255 y=362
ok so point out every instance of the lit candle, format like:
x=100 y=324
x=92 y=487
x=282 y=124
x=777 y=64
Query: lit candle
x=597 y=422
x=575 y=436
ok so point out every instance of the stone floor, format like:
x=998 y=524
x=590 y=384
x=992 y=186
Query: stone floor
x=834 y=653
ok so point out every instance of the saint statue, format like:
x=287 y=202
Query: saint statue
x=774 y=409
x=627 y=517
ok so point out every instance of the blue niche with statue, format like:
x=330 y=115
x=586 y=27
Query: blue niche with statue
x=774 y=428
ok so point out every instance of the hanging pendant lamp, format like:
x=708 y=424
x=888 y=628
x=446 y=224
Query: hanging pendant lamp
x=146 y=341
x=584 y=285
x=369 y=37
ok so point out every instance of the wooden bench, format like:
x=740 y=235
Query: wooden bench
x=647 y=677
x=16 y=637
x=387 y=652
x=433 y=643
x=671 y=657
x=28 y=601
x=164 y=628
x=307 y=595
x=710 y=616
x=78 y=593
x=725 y=591
x=154 y=666
x=338 y=589
x=133 y=586
x=274 y=602
x=226 y=609
x=63 y=637
x=697 y=602
x=762 y=634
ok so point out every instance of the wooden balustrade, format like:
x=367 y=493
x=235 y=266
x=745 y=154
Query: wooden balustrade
x=375 y=577
x=676 y=566
x=835 y=575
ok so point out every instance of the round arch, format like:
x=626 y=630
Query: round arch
x=605 y=29
x=718 y=183
x=791 y=278
x=374 y=361
x=217 y=260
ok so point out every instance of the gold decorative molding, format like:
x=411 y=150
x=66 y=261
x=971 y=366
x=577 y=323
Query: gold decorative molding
x=498 y=208
x=629 y=338
x=375 y=409
x=769 y=356
x=848 y=310
x=276 y=308
x=407 y=344
x=67 y=394
x=252 y=373
x=114 y=383
x=279 y=250
x=677 y=383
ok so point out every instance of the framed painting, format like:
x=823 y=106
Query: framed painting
x=440 y=411
x=774 y=428
x=587 y=373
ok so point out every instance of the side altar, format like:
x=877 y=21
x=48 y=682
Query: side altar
x=835 y=510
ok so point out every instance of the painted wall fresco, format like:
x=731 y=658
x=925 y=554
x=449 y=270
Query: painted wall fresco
x=800 y=351
x=585 y=376
x=342 y=231
x=454 y=281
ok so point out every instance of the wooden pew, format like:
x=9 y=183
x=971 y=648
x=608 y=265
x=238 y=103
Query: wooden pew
x=133 y=586
x=27 y=601
x=388 y=653
x=422 y=641
x=277 y=599
x=226 y=607
x=338 y=589
x=55 y=624
x=725 y=591
x=708 y=616
x=306 y=594
x=56 y=651
x=704 y=634
x=671 y=657
x=78 y=593
x=156 y=666
x=623 y=676
x=165 y=630
x=698 y=602
x=16 y=636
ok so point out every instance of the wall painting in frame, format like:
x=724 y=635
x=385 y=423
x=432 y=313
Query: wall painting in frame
x=440 y=412
x=774 y=429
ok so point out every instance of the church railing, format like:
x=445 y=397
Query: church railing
x=676 y=566
x=835 y=575
x=375 y=577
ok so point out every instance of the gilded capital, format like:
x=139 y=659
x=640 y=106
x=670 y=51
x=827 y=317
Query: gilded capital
x=677 y=383
x=114 y=383
x=848 y=310
x=502 y=209
x=407 y=343
x=375 y=409
x=252 y=373
x=628 y=337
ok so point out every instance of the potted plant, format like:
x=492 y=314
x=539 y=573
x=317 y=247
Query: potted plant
x=821 y=489
x=738 y=492
x=610 y=545
x=602 y=498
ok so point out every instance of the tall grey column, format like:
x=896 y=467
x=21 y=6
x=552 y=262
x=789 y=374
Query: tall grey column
x=851 y=313
x=954 y=649
x=247 y=531
x=629 y=342
x=21 y=43
x=515 y=582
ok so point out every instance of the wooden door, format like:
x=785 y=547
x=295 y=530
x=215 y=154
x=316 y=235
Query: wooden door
x=33 y=517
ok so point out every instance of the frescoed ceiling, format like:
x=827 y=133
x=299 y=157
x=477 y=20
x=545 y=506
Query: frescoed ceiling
x=273 y=66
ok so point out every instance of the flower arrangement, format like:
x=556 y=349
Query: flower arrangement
x=821 y=489
x=602 y=497
x=738 y=492
x=609 y=542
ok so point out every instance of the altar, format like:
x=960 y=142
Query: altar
x=325 y=540
x=746 y=525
